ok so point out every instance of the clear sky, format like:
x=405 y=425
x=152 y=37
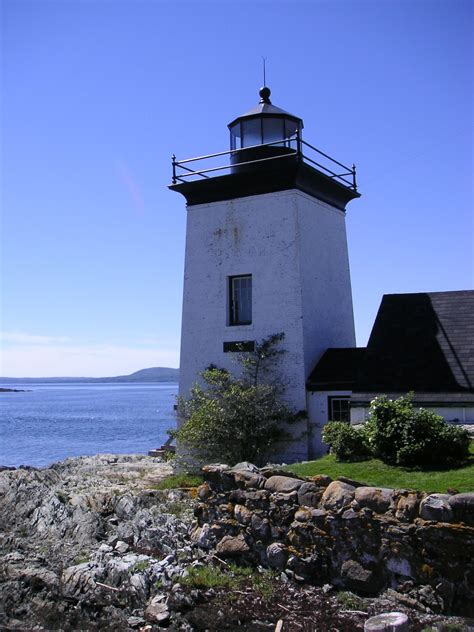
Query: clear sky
x=97 y=95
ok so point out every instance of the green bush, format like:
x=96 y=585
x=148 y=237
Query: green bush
x=345 y=442
x=234 y=419
x=400 y=434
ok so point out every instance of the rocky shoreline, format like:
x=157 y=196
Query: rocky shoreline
x=90 y=544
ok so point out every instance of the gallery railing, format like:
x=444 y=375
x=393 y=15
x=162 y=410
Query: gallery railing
x=296 y=147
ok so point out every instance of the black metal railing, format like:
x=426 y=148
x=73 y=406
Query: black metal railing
x=324 y=163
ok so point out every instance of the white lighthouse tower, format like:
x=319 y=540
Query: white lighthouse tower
x=266 y=252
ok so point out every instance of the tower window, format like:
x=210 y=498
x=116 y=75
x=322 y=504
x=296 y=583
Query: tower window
x=339 y=409
x=240 y=300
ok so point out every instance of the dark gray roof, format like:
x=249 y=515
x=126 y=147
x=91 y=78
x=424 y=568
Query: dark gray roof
x=336 y=370
x=267 y=108
x=421 y=342
x=444 y=400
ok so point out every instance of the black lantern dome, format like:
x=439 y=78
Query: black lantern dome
x=264 y=124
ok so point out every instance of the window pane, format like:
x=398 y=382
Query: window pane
x=339 y=409
x=251 y=132
x=272 y=129
x=290 y=128
x=240 y=300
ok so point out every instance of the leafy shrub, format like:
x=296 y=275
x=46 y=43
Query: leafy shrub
x=400 y=434
x=236 y=419
x=345 y=442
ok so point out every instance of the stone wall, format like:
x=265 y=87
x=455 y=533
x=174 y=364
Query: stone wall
x=356 y=537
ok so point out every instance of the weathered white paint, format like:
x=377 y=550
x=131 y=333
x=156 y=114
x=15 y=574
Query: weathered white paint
x=318 y=416
x=458 y=414
x=295 y=248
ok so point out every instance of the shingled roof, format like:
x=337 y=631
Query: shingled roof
x=421 y=342
x=336 y=370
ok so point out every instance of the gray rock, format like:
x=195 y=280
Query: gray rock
x=277 y=555
x=242 y=514
x=358 y=578
x=260 y=527
x=379 y=499
x=245 y=465
x=436 y=507
x=283 y=484
x=337 y=495
x=463 y=507
x=249 y=480
x=407 y=507
x=157 y=611
x=232 y=546
x=121 y=547
x=303 y=515
x=309 y=494
x=135 y=622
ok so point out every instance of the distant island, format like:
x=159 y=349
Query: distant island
x=154 y=374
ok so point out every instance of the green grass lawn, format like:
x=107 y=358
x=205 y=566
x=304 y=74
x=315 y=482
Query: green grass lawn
x=374 y=472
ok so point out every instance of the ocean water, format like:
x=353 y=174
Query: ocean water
x=50 y=422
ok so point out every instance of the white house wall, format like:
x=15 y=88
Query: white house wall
x=318 y=415
x=451 y=414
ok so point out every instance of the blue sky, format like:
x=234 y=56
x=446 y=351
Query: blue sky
x=97 y=95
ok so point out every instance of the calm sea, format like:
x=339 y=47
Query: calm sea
x=50 y=422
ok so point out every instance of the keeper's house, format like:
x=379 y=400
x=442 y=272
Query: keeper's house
x=420 y=342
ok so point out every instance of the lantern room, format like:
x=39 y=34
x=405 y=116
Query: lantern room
x=264 y=124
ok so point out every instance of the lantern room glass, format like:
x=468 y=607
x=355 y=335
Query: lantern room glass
x=263 y=129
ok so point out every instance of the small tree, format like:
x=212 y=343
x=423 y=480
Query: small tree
x=233 y=419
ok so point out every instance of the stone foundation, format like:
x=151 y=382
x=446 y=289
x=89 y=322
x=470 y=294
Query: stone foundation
x=356 y=537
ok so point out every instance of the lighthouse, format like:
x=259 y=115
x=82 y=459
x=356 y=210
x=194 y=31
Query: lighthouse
x=266 y=252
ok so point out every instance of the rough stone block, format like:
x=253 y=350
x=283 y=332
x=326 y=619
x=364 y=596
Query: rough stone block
x=463 y=507
x=358 y=578
x=283 y=484
x=277 y=555
x=436 y=507
x=337 y=495
x=309 y=494
x=232 y=547
x=379 y=499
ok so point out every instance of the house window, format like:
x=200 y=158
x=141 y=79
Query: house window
x=240 y=300
x=339 y=409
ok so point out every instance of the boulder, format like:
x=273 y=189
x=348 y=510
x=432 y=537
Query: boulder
x=337 y=495
x=407 y=507
x=309 y=494
x=157 y=611
x=242 y=514
x=463 y=507
x=358 y=578
x=378 y=499
x=321 y=480
x=283 y=484
x=260 y=527
x=245 y=466
x=277 y=555
x=350 y=481
x=249 y=480
x=232 y=546
x=303 y=515
x=436 y=507
x=203 y=492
